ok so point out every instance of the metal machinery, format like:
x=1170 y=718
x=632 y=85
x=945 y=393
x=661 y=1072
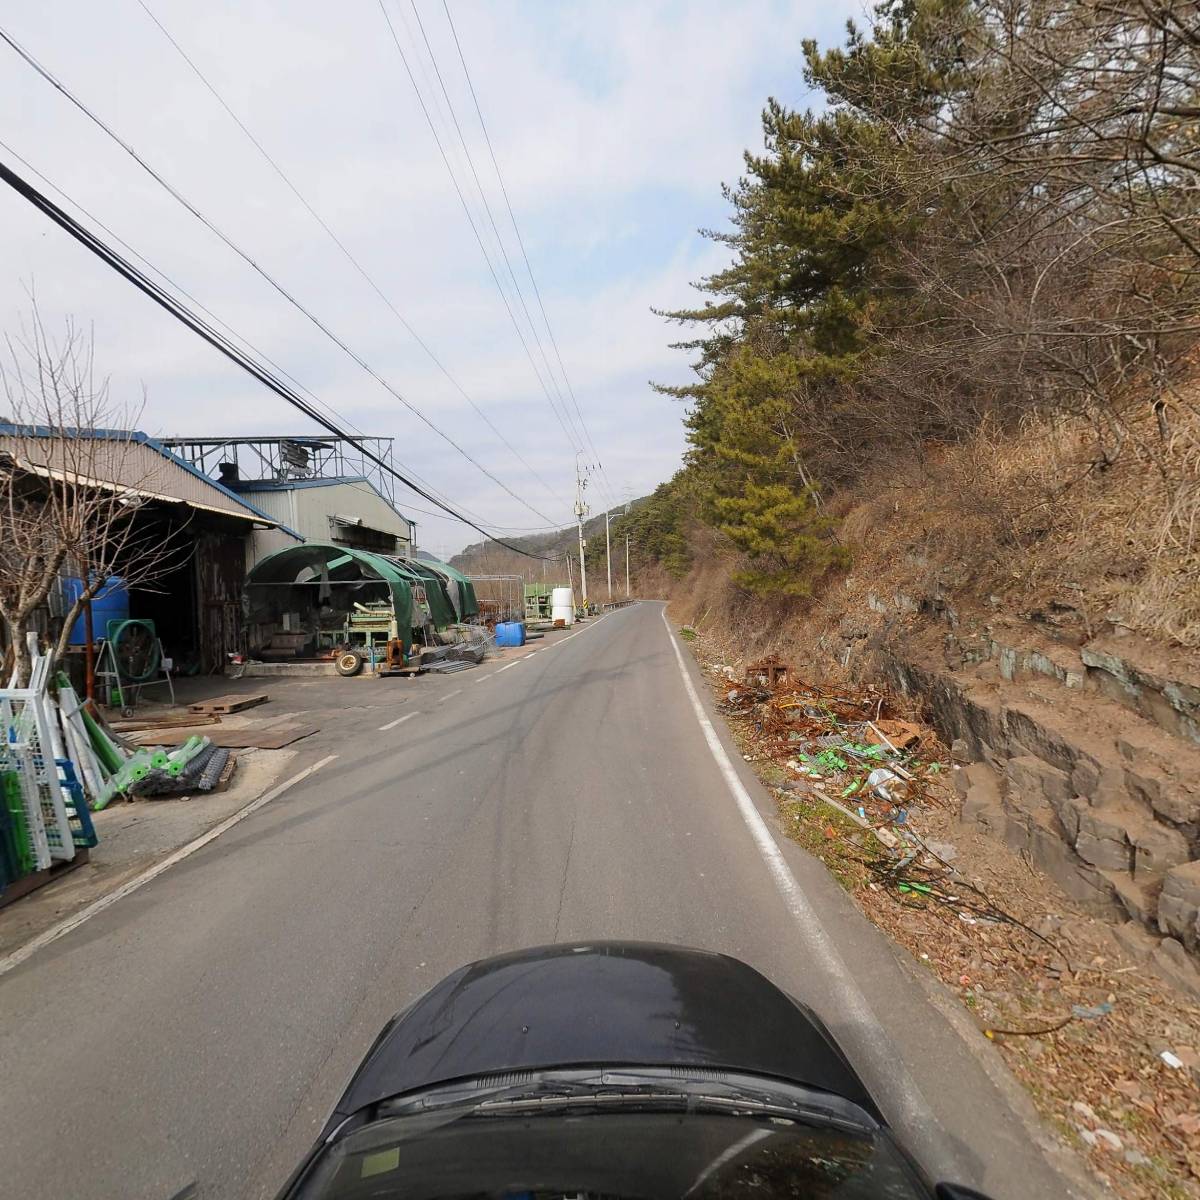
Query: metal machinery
x=369 y=631
x=131 y=658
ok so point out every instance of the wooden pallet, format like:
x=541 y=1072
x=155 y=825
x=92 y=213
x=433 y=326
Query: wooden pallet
x=227 y=704
x=226 y=773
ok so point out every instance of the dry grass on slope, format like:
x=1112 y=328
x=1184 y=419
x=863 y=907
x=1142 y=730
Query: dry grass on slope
x=1095 y=525
x=1101 y=523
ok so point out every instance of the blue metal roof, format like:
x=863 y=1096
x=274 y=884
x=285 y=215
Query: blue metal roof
x=145 y=439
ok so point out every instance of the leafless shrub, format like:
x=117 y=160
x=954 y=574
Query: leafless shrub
x=69 y=500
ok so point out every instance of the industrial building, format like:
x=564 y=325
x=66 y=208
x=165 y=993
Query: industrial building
x=194 y=604
x=325 y=489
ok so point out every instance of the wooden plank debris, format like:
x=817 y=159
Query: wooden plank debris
x=268 y=737
x=228 y=704
x=166 y=721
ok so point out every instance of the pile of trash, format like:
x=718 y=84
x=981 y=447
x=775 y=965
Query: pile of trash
x=876 y=769
x=855 y=753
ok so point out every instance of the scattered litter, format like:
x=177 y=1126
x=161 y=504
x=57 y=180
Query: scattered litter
x=1091 y=1012
x=942 y=850
x=768 y=672
x=1044 y=983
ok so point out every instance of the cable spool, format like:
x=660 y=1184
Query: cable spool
x=135 y=649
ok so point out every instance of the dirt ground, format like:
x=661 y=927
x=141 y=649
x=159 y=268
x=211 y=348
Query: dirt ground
x=1109 y=1051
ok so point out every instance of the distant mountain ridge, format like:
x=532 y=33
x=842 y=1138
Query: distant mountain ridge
x=490 y=558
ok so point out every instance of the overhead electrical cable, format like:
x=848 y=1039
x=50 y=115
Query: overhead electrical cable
x=178 y=287
x=521 y=241
x=572 y=438
x=225 y=346
x=487 y=209
x=235 y=336
x=345 y=250
x=232 y=333
x=183 y=200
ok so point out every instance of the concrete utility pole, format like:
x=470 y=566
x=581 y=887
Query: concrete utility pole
x=581 y=511
x=608 y=553
x=627 y=594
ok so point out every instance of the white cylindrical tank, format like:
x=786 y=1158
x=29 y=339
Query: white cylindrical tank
x=562 y=606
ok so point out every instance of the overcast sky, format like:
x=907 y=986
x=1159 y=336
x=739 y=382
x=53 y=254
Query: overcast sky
x=614 y=125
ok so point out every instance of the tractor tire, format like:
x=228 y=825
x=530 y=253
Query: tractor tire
x=348 y=663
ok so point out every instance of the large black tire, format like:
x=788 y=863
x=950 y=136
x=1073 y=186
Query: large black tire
x=348 y=662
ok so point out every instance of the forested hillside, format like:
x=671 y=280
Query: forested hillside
x=958 y=317
x=550 y=551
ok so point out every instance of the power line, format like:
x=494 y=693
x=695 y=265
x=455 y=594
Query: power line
x=347 y=254
x=60 y=87
x=487 y=208
x=510 y=530
x=178 y=287
x=223 y=344
x=233 y=334
x=571 y=438
x=521 y=241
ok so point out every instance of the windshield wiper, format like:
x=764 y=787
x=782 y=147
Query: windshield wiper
x=649 y=1099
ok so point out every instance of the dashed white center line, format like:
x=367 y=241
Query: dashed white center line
x=450 y=695
x=398 y=721
x=511 y=664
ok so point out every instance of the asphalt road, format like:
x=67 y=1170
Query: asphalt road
x=197 y=1031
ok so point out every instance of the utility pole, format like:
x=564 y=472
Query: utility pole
x=627 y=555
x=608 y=553
x=581 y=511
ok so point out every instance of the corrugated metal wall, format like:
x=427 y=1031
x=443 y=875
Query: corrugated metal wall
x=314 y=507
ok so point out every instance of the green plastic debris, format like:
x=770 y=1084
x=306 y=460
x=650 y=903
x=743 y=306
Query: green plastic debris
x=111 y=759
x=179 y=759
x=19 y=840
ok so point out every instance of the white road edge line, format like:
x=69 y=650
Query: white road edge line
x=449 y=696
x=511 y=664
x=52 y=934
x=817 y=942
x=398 y=721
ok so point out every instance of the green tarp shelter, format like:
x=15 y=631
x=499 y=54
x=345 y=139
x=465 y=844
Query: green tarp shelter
x=316 y=564
x=459 y=586
x=437 y=593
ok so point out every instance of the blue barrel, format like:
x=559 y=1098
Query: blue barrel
x=110 y=603
x=510 y=633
